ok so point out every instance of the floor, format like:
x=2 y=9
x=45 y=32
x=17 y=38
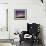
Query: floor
x=22 y=44
x=28 y=44
x=9 y=44
x=5 y=44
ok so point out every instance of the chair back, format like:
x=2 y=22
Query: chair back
x=33 y=28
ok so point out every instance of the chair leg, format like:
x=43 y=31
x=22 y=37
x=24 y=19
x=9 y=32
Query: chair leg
x=20 y=42
x=32 y=42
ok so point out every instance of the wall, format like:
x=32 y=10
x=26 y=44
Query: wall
x=35 y=13
x=3 y=15
x=3 y=1
x=3 y=20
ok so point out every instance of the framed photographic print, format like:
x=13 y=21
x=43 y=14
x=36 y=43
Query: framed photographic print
x=20 y=14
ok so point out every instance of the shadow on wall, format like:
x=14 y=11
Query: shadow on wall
x=41 y=34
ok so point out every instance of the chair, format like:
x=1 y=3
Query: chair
x=33 y=30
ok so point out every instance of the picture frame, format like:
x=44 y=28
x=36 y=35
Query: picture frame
x=20 y=14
